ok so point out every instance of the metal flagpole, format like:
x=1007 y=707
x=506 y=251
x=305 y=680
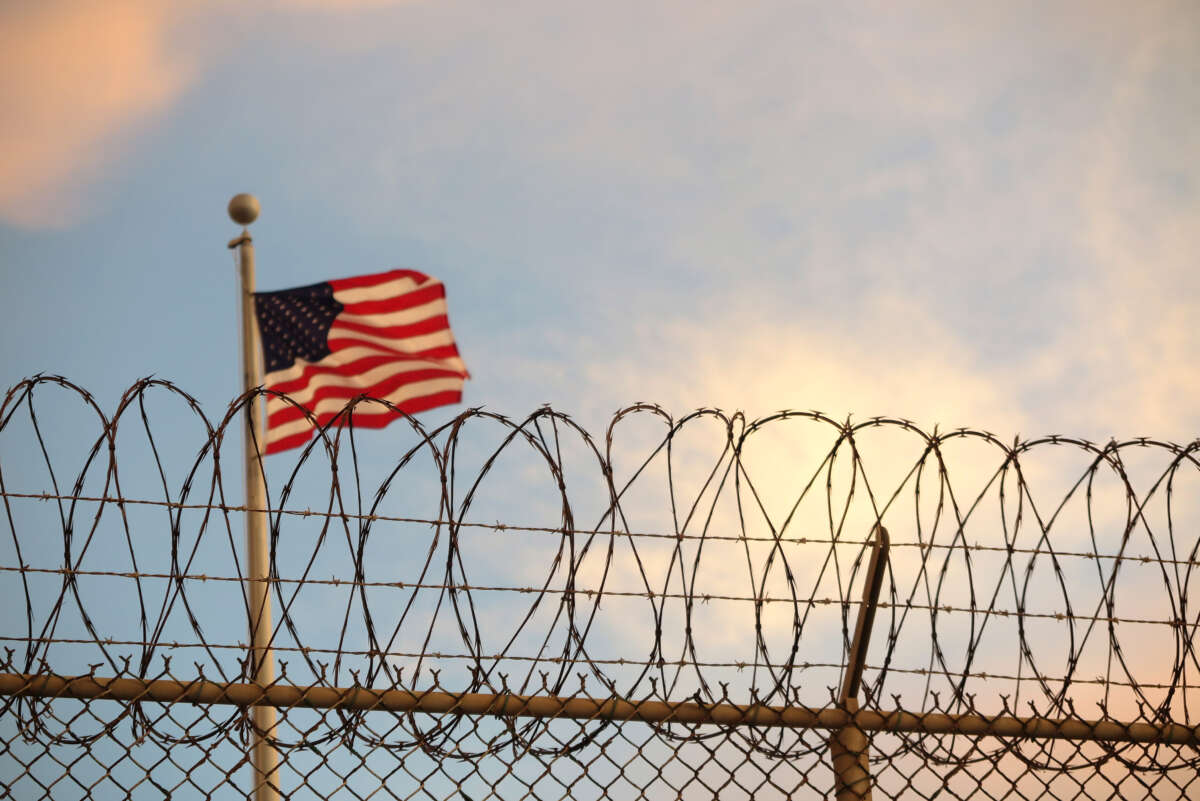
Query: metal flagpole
x=243 y=210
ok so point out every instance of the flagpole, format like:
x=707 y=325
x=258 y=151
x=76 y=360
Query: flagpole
x=243 y=210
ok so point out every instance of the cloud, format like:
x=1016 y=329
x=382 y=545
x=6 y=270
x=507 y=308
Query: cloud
x=340 y=5
x=888 y=354
x=1130 y=355
x=1025 y=263
x=81 y=81
x=77 y=80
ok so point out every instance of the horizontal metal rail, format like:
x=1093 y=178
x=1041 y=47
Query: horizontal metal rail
x=362 y=699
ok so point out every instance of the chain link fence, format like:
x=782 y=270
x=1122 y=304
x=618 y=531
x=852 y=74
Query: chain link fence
x=701 y=607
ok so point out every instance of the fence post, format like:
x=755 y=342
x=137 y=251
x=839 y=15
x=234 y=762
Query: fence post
x=849 y=746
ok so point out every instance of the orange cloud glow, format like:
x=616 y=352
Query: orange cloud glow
x=75 y=79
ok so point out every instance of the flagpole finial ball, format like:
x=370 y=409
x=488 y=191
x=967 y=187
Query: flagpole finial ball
x=243 y=209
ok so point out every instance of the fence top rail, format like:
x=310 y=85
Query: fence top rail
x=365 y=699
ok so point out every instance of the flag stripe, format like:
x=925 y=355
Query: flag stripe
x=325 y=410
x=397 y=287
x=417 y=314
x=417 y=297
x=346 y=370
x=375 y=279
x=370 y=420
x=351 y=359
x=413 y=346
x=276 y=443
x=381 y=379
x=405 y=332
x=445 y=353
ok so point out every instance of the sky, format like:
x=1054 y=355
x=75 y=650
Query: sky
x=982 y=215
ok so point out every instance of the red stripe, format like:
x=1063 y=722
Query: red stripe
x=348 y=391
x=446 y=397
x=359 y=281
x=429 y=325
x=365 y=419
x=417 y=297
x=290 y=441
x=349 y=370
x=440 y=352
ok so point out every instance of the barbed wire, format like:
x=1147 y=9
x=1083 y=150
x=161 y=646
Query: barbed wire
x=516 y=527
x=552 y=660
x=586 y=593
x=963 y=563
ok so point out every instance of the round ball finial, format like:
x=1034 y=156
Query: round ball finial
x=243 y=209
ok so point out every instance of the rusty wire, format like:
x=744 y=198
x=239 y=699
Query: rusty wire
x=938 y=593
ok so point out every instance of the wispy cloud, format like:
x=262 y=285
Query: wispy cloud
x=891 y=358
x=81 y=81
x=78 y=80
x=1132 y=346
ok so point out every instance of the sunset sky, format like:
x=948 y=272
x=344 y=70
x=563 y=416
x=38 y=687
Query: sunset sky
x=984 y=215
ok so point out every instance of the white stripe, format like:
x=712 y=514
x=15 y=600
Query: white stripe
x=403 y=345
x=403 y=317
x=388 y=289
x=418 y=389
x=288 y=429
x=362 y=380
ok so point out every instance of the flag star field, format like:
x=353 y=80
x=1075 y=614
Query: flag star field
x=294 y=324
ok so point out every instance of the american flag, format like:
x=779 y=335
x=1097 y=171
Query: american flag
x=384 y=335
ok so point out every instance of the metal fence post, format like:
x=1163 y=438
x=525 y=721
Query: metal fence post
x=849 y=746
